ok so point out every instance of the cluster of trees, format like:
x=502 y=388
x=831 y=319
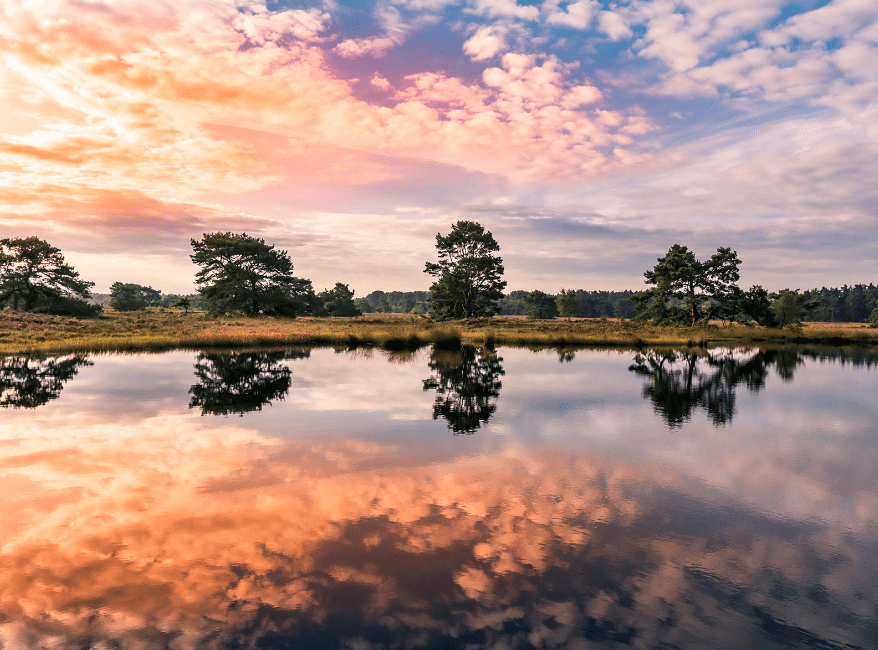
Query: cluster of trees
x=395 y=302
x=240 y=274
x=34 y=277
x=848 y=304
x=569 y=303
x=687 y=290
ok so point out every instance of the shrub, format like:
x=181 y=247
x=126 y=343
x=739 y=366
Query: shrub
x=66 y=306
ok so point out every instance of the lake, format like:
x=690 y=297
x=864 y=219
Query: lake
x=441 y=499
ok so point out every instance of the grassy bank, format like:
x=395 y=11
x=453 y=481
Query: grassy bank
x=23 y=332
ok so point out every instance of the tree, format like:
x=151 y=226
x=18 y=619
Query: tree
x=133 y=297
x=756 y=304
x=790 y=307
x=244 y=275
x=686 y=289
x=873 y=318
x=183 y=302
x=568 y=303
x=34 y=276
x=540 y=305
x=468 y=274
x=339 y=301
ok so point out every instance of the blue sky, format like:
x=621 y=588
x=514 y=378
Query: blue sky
x=588 y=136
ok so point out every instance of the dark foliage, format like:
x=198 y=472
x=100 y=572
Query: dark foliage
x=848 y=304
x=685 y=289
x=468 y=273
x=540 y=305
x=339 y=301
x=34 y=275
x=244 y=275
x=29 y=382
x=467 y=384
x=395 y=302
x=240 y=382
x=133 y=297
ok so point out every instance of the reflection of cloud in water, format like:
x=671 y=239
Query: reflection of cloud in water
x=169 y=534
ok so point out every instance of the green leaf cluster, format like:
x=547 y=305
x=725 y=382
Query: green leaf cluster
x=540 y=305
x=35 y=277
x=687 y=290
x=133 y=297
x=244 y=275
x=339 y=301
x=468 y=274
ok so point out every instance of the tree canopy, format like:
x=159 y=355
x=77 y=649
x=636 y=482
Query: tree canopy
x=468 y=283
x=35 y=277
x=133 y=297
x=244 y=275
x=686 y=289
x=339 y=301
x=540 y=305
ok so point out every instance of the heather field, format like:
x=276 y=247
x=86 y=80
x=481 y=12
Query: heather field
x=25 y=332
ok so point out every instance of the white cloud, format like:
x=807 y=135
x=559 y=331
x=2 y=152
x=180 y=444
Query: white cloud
x=613 y=25
x=504 y=9
x=380 y=82
x=578 y=15
x=487 y=42
x=261 y=26
x=838 y=19
x=396 y=31
x=581 y=96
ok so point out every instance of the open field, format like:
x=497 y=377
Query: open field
x=24 y=332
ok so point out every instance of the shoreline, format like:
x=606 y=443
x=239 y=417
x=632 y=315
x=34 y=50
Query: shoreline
x=23 y=333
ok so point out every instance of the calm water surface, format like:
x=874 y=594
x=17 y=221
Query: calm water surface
x=322 y=499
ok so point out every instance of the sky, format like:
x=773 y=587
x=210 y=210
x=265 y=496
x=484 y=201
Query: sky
x=587 y=136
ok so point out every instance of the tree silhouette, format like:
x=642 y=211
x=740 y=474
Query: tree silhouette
x=29 y=382
x=467 y=384
x=677 y=390
x=239 y=382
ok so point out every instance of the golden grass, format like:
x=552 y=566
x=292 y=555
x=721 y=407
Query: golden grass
x=22 y=332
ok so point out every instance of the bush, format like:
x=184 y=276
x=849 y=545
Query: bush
x=66 y=306
x=873 y=318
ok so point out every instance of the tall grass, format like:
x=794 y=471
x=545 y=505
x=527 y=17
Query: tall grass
x=21 y=332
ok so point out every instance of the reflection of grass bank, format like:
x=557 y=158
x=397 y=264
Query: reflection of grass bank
x=20 y=332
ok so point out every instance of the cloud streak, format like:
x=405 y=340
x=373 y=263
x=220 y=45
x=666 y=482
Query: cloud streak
x=232 y=104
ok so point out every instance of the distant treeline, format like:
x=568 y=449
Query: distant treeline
x=196 y=300
x=592 y=304
x=394 y=302
x=848 y=304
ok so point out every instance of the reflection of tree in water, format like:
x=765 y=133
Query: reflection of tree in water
x=29 y=382
x=467 y=384
x=239 y=382
x=566 y=355
x=676 y=389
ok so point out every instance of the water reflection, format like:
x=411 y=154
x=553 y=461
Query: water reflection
x=680 y=381
x=517 y=549
x=29 y=382
x=467 y=385
x=172 y=531
x=240 y=382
